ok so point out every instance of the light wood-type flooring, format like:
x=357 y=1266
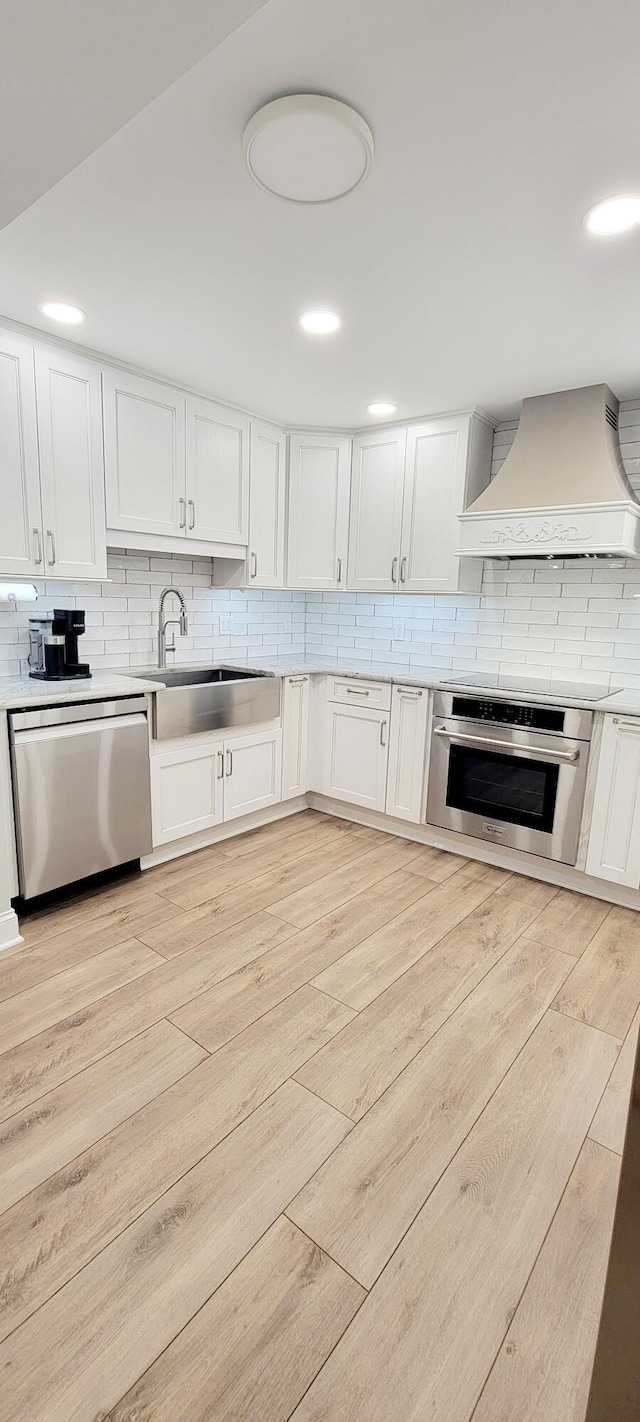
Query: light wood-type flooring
x=317 y=1123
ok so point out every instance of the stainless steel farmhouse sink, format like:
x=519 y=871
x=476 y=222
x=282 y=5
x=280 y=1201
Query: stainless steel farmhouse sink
x=211 y=699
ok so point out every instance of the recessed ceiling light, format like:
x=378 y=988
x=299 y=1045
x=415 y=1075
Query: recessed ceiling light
x=62 y=311
x=382 y=407
x=614 y=215
x=320 y=323
x=308 y=148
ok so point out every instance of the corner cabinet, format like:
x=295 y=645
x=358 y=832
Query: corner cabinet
x=267 y=506
x=408 y=486
x=613 y=851
x=217 y=473
x=318 y=533
x=53 y=517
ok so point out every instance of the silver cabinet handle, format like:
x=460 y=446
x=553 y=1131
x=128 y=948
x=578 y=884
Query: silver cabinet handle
x=356 y=691
x=52 y=546
x=409 y=695
x=182 y=505
x=339 y=575
x=297 y=680
x=38 y=557
x=192 y=514
x=403 y=571
x=254 y=565
x=220 y=771
x=627 y=725
x=229 y=762
x=528 y=752
x=383 y=733
x=394 y=570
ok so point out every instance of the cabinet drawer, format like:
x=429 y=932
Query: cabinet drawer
x=374 y=694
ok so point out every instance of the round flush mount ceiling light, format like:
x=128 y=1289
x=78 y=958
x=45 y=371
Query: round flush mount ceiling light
x=613 y=216
x=62 y=311
x=320 y=323
x=382 y=407
x=308 y=148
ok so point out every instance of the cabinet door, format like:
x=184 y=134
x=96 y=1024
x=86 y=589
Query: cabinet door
x=377 y=483
x=253 y=773
x=71 y=466
x=295 y=723
x=21 y=549
x=319 y=477
x=407 y=753
x=217 y=473
x=266 y=506
x=144 y=443
x=356 y=755
x=186 y=791
x=614 y=841
x=434 y=496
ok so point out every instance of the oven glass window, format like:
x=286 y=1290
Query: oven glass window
x=503 y=787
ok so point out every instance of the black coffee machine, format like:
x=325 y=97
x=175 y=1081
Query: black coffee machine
x=53 y=645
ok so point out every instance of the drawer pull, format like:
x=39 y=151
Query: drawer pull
x=356 y=691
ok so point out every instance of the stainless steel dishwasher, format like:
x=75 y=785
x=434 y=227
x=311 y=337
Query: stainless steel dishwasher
x=80 y=788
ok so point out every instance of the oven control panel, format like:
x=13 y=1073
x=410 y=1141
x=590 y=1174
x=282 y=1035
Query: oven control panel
x=509 y=713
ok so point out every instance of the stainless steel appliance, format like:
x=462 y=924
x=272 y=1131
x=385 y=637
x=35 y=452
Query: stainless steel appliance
x=53 y=645
x=211 y=699
x=509 y=772
x=81 y=790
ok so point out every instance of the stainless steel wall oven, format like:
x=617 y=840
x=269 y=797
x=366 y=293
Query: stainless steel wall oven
x=509 y=772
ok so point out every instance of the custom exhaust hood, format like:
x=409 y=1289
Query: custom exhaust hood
x=562 y=490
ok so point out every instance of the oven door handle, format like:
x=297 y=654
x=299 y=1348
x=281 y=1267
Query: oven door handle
x=529 y=752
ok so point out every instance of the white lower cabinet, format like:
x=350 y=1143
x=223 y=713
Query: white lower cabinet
x=614 y=841
x=197 y=786
x=407 y=753
x=295 y=735
x=356 y=755
x=252 y=773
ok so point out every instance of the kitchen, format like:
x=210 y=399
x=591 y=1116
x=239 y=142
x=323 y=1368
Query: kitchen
x=320 y=736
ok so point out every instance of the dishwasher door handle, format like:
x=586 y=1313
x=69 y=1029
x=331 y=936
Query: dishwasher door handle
x=78 y=728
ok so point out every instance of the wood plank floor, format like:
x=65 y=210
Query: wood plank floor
x=317 y=1123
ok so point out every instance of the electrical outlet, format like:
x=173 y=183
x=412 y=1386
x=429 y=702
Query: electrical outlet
x=226 y=623
x=398 y=631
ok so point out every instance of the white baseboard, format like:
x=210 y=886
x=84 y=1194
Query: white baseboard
x=563 y=875
x=9 y=930
x=192 y=842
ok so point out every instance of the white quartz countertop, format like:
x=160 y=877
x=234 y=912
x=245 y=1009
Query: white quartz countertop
x=25 y=690
x=31 y=691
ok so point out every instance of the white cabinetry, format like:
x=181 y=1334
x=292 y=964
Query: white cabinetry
x=144 y=442
x=407 y=753
x=408 y=486
x=614 y=841
x=356 y=754
x=53 y=520
x=319 y=478
x=176 y=466
x=196 y=786
x=267 y=494
x=217 y=487
x=295 y=732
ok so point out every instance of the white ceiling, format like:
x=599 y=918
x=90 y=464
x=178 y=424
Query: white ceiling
x=460 y=266
x=72 y=73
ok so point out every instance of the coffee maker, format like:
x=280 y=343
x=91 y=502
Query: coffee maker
x=53 y=645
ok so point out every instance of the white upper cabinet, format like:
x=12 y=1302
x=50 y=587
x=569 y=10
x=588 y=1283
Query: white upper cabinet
x=21 y=549
x=377 y=484
x=71 y=466
x=267 y=493
x=217 y=479
x=319 y=477
x=144 y=442
x=408 y=486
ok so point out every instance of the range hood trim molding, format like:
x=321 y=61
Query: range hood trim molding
x=566 y=530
